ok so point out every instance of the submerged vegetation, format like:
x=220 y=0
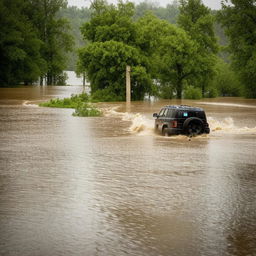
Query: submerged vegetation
x=80 y=103
x=86 y=109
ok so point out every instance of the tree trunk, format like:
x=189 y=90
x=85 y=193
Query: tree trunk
x=41 y=80
x=179 y=89
x=83 y=79
x=203 y=90
x=49 y=79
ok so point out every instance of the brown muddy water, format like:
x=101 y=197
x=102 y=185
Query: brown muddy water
x=110 y=186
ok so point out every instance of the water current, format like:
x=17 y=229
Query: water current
x=111 y=186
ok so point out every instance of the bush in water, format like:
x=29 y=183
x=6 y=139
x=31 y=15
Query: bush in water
x=85 y=109
x=78 y=102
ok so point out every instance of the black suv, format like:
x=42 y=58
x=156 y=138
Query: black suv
x=174 y=120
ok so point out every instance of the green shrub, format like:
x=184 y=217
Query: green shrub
x=61 y=79
x=211 y=93
x=71 y=102
x=193 y=93
x=78 y=102
x=105 y=95
x=166 y=91
x=226 y=81
x=84 y=109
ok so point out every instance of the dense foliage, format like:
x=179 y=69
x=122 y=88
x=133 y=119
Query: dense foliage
x=156 y=49
x=20 y=59
x=239 y=22
x=197 y=20
x=33 y=41
x=226 y=81
x=174 y=56
x=170 y=13
x=112 y=35
x=172 y=50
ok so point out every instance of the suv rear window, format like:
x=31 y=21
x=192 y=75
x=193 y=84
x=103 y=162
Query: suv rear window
x=186 y=114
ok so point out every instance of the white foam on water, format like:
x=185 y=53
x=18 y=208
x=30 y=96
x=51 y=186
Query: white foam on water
x=227 y=126
x=27 y=104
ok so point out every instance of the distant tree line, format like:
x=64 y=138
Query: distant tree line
x=179 y=55
x=33 y=42
x=78 y=16
x=239 y=21
x=166 y=59
x=179 y=50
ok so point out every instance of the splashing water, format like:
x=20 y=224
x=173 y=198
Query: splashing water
x=227 y=126
x=28 y=104
x=142 y=125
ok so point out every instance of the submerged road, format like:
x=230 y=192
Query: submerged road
x=110 y=186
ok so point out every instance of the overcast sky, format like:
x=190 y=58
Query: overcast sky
x=213 y=4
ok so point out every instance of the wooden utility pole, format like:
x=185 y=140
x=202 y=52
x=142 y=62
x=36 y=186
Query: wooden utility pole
x=128 y=84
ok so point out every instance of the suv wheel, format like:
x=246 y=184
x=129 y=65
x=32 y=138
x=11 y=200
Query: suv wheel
x=165 y=132
x=194 y=128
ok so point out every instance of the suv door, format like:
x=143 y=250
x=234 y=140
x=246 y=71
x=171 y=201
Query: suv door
x=160 y=119
x=163 y=118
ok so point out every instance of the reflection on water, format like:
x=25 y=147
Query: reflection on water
x=110 y=186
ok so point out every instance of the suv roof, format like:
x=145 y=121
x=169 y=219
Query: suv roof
x=184 y=107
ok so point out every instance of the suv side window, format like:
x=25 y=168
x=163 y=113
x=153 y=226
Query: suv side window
x=165 y=112
x=171 y=113
x=179 y=114
x=161 y=112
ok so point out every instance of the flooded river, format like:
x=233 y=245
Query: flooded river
x=110 y=186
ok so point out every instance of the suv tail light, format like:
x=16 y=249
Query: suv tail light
x=174 y=124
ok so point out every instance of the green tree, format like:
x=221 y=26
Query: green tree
x=178 y=61
x=20 y=61
x=173 y=56
x=169 y=13
x=109 y=22
x=196 y=19
x=239 y=21
x=105 y=65
x=112 y=36
x=53 y=31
